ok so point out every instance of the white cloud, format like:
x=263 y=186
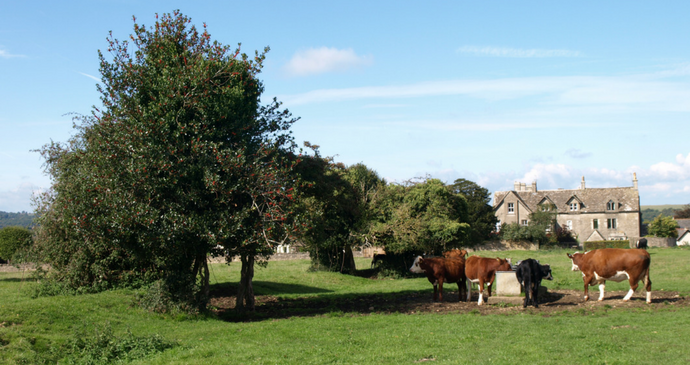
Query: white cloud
x=577 y=153
x=18 y=199
x=5 y=54
x=91 y=77
x=321 y=60
x=516 y=52
x=673 y=171
x=580 y=93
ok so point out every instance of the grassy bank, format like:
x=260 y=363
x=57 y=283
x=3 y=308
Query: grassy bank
x=42 y=329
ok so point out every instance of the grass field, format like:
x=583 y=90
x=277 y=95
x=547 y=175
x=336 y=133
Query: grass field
x=43 y=329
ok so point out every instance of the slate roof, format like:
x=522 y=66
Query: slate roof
x=683 y=223
x=592 y=200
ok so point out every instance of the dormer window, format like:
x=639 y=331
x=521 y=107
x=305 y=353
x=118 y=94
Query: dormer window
x=574 y=206
x=611 y=205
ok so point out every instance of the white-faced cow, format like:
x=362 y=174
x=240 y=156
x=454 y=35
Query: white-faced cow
x=615 y=264
x=441 y=270
x=481 y=270
x=529 y=274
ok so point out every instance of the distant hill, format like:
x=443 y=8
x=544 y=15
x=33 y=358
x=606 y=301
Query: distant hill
x=22 y=219
x=649 y=212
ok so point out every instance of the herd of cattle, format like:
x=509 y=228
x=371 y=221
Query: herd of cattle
x=596 y=266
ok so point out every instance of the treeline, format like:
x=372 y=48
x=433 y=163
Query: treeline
x=649 y=214
x=22 y=219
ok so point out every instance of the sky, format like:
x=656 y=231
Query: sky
x=494 y=93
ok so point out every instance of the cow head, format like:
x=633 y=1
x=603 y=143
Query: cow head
x=575 y=258
x=546 y=271
x=504 y=265
x=415 y=268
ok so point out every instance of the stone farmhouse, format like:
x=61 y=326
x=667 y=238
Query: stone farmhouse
x=591 y=214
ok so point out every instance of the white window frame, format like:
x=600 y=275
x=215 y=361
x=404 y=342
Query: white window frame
x=511 y=208
x=569 y=224
x=573 y=206
x=524 y=222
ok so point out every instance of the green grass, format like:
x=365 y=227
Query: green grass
x=29 y=328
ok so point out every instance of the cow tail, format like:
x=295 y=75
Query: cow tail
x=647 y=281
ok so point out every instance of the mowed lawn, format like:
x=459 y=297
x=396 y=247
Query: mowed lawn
x=31 y=327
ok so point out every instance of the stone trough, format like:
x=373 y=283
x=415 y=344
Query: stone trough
x=508 y=289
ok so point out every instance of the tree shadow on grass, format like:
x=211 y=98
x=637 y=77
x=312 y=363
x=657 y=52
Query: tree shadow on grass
x=272 y=307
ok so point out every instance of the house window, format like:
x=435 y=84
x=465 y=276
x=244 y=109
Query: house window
x=611 y=223
x=524 y=222
x=511 y=208
x=498 y=226
x=569 y=224
x=573 y=206
x=595 y=224
x=610 y=205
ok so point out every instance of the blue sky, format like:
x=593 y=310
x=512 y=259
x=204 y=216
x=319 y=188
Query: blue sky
x=511 y=91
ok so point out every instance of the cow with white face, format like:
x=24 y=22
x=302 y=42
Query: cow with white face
x=615 y=264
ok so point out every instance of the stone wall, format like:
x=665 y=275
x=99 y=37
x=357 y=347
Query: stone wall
x=654 y=242
x=504 y=245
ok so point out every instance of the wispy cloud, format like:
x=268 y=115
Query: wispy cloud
x=621 y=93
x=5 y=54
x=91 y=77
x=516 y=52
x=321 y=60
x=577 y=153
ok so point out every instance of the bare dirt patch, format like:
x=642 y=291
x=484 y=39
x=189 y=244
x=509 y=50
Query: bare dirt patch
x=271 y=307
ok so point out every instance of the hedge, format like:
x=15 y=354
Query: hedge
x=593 y=245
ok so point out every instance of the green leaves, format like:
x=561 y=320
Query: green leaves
x=181 y=159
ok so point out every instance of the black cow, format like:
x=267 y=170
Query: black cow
x=529 y=274
x=377 y=257
x=642 y=243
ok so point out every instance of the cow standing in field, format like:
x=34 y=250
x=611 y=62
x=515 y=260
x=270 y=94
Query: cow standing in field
x=481 y=270
x=615 y=264
x=642 y=243
x=529 y=274
x=455 y=253
x=439 y=270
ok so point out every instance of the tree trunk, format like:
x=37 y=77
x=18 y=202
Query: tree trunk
x=245 y=293
x=348 y=265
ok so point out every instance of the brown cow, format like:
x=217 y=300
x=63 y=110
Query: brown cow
x=455 y=253
x=482 y=270
x=439 y=270
x=615 y=264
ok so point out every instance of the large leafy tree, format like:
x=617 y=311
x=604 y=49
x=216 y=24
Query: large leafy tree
x=682 y=213
x=335 y=202
x=13 y=239
x=424 y=216
x=663 y=226
x=481 y=216
x=181 y=161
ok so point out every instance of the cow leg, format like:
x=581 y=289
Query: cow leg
x=481 y=293
x=602 y=286
x=528 y=288
x=587 y=281
x=468 y=285
x=535 y=297
x=440 y=290
x=634 y=282
x=648 y=286
x=436 y=291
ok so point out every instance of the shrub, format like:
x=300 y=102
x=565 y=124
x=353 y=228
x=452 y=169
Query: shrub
x=12 y=239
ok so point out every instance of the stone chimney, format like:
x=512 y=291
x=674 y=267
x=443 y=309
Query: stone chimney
x=582 y=184
x=516 y=186
x=534 y=186
x=635 y=180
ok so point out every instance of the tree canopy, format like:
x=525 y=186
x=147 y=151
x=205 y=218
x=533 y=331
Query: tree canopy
x=13 y=239
x=663 y=226
x=180 y=161
x=481 y=216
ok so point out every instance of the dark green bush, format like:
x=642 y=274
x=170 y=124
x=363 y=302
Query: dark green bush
x=12 y=239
